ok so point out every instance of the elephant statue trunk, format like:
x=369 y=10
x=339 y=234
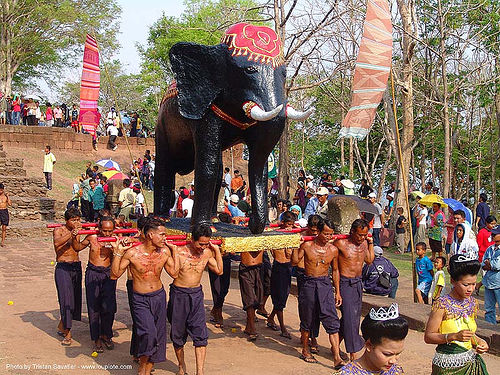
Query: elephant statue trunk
x=253 y=111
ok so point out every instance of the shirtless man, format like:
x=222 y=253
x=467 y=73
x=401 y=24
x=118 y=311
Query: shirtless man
x=186 y=312
x=316 y=299
x=4 y=213
x=149 y=308
x=68 y=273
x=281 y=278
x=353 y=253
x=312 y=230
x=100 y=289
x=251 y=290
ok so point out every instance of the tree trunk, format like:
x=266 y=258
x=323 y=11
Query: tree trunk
x=422 y=167
x=494 y=155
x=351 y=158
x=406 y=10
x=342 y=157
x=284 y=144
x=446 y=119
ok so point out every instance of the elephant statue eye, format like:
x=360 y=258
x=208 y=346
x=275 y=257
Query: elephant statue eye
x=251 y=69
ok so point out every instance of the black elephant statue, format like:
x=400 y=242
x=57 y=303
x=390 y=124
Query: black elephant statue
x=222 y=95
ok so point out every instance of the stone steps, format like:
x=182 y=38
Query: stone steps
x=25 y=186
x=30 y=204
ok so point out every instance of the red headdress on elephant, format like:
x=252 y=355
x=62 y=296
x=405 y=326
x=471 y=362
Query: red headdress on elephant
x=257 y=43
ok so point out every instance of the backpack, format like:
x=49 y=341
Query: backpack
x=384 y=278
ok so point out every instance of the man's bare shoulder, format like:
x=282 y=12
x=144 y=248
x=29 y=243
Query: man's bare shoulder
x=306 y=245
x=341 y=242
x=60 y=231
x=332 y=247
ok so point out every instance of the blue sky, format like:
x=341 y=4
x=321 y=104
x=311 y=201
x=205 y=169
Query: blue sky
x=137 y=17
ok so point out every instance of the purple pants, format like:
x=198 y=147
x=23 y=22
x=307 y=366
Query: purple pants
x=149 y=311
x=300 y=274
x=281 y=278
x=351 y=290
x=68 y=278
x=100 y=291
x=317 y=303
x=186 y=315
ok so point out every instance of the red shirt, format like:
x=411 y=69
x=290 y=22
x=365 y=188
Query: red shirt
x=16 y=105
x=483 y=241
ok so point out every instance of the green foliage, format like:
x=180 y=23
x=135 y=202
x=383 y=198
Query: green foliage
x=41 y=36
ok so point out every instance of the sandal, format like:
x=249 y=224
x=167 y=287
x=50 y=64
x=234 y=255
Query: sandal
x=310 y=359
x=109 y=344
x=263 y=313
x=286 y=335
x=273 y=326
x=339 y=366
x=66 y=342
x=251 y=336
x=314 y=349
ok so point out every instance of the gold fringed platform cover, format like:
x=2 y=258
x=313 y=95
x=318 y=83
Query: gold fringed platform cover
x=237 y=239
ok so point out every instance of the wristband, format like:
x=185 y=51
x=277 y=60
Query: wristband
x=117 y=255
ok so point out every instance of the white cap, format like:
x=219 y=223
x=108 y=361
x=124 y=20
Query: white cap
x=234 y=198
x=372 y=195
x=310 y=176
x=302 y=222
x=322 y=191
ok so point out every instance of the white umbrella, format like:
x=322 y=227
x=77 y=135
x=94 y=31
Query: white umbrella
x=33 y=97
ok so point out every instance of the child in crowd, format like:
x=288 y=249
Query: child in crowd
x=425 y=273
x=400 y=231
x=384 y=332
x=438 y=282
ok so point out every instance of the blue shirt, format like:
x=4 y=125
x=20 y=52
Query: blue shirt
x=311 y=207
x=97 y=197
x=235 y=211
x=424 y=267
x=491 y=279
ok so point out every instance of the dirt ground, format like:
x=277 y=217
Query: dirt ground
x=29 y=343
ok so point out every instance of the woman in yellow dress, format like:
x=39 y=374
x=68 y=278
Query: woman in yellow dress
x=452 y=324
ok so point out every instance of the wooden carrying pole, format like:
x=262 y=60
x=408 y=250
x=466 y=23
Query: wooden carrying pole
x=405 y=188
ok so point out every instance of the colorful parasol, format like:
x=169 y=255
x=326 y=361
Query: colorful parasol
x=117 y=176
x=108 y=163
x=430 y=199
x=417 y=193
x=456 y=205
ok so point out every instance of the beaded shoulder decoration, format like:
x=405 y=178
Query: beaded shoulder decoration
x=456 y=309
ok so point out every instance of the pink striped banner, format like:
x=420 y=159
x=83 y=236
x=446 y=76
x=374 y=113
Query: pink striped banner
x=89 y=87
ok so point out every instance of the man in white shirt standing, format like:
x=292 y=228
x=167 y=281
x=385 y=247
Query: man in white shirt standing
x=421 y=213
x=378 y=219
x=48 y=166
x=187 y=206
x=113 y=133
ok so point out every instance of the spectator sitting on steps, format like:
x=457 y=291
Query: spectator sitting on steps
x=380 y=277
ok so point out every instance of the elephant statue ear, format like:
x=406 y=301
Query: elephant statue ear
x=199 y=72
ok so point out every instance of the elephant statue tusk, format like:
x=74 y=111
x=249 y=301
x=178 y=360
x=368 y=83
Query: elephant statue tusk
x=293 y=114
x=253 y=111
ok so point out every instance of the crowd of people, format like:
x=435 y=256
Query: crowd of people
x=318 y=264
x=18 y=110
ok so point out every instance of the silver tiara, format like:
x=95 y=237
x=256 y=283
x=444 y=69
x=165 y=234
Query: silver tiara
x=385 y=313
x=467 y=257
